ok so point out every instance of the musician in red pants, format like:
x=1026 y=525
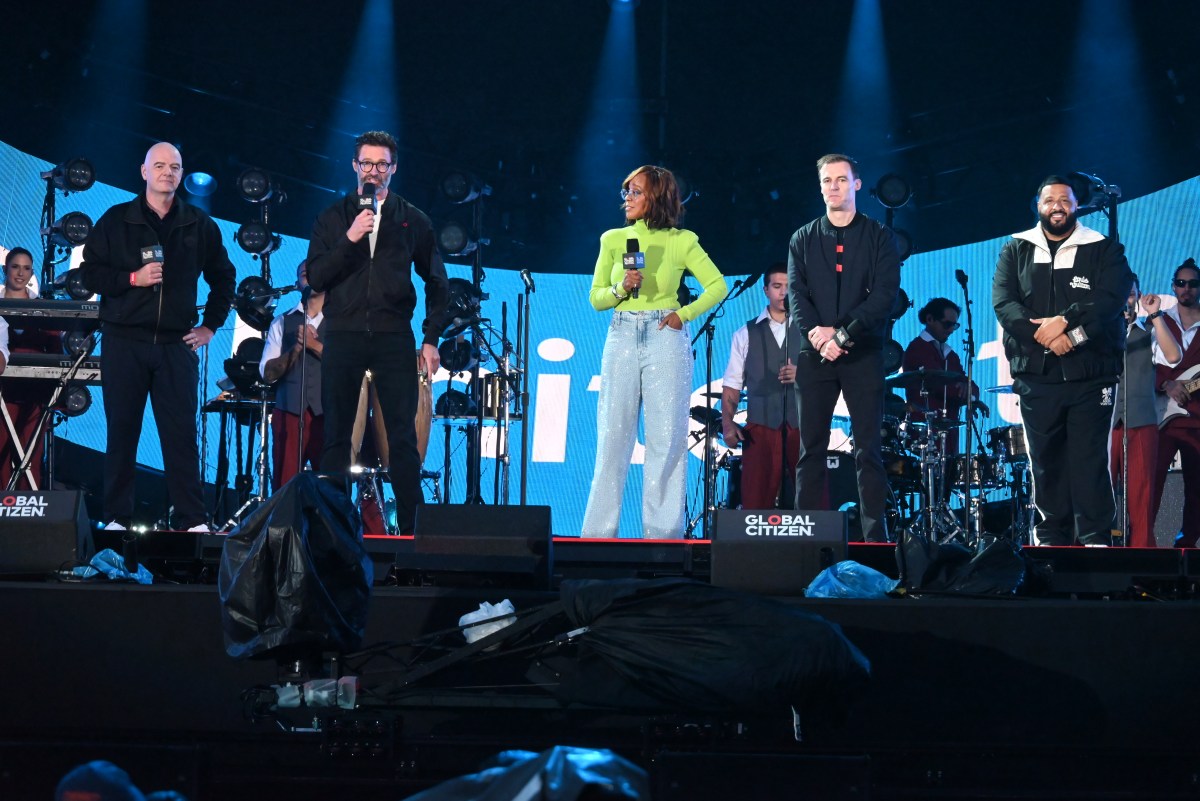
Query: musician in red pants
x=1179 y=386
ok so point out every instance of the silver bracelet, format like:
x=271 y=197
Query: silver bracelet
x=615 y=295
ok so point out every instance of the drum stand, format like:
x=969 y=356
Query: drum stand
x=710 y=457
x=936 y=520
x=263 y=468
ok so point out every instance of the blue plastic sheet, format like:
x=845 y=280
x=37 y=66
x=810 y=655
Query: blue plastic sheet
x=849 y=579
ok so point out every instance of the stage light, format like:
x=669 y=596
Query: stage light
x=72 y=281
x=255 y=303
x=453 y=240
x=1092 y=193
x=200 y=184
x=892 y=191
x=904 y=242
x=242 y=367
x=255 y=185
x=70 y=230
x=75 y=342
x=76 y=175
x=461 y=187
x=255 y=238
x=75 y=400
x=455 y=403
x=457 y=355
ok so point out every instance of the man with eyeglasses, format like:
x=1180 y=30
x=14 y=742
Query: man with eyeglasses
x=1177 y=379
x=929 y=351
x=362 y=255
x=1059 y=293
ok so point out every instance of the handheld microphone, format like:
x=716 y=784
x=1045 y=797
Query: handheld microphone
x=633 y=259
x=150 y=255
x=961 y=277
x=367 y=199
x=527 y=279
x=844 y=336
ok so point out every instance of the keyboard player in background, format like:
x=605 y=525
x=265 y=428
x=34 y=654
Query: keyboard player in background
x=25 y=399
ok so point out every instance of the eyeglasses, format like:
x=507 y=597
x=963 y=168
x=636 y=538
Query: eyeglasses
x=1190 y=283
x=626 y=193
x=949 y=325
x=374 y=166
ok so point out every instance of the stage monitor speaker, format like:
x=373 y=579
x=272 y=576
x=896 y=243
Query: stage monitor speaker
x=475 y=545
x=774 y=552
x=43 y=531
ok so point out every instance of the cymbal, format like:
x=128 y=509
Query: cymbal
x=1003 y=389
x=717 y=394
x=944 y=423
x=915 y=378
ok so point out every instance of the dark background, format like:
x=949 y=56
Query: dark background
x=981 y=101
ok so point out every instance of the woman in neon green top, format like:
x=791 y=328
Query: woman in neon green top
x=647 y=362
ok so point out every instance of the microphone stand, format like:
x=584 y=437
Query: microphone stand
x=974 y=519
x=706 y=330
x=781 y=496
x=523 y=383
x=303 y=381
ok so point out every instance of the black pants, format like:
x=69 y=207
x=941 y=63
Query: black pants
x=168 y=374
x=860 y=379
x=392 y=360
x=1067 y=428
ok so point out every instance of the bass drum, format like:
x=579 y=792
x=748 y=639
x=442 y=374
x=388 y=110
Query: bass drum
x=841 y=478
x=732 y=465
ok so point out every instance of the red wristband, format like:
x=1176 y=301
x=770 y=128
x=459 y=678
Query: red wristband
x=133 y=279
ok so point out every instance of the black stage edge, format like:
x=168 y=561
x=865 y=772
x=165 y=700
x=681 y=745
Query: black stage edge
x=969 y=699
x=1156 y=573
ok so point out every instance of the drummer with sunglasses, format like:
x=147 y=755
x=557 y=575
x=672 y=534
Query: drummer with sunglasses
x=929 y=351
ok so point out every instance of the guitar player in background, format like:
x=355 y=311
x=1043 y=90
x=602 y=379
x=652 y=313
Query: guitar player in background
x=1178 y=381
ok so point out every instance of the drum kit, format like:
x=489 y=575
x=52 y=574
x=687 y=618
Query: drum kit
x=979 y=480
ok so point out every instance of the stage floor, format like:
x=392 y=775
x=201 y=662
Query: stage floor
x=1086 y=697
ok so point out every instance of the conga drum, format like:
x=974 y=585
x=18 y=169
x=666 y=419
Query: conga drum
x=367 y=396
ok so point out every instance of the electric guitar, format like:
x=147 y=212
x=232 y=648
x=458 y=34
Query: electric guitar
x=1191 y=384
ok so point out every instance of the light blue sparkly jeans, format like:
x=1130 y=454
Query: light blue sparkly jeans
x=643 y=368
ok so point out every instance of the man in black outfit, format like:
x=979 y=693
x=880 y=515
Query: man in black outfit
x=148 y=318
x=1059 y=292
x=843 y=278
x=362 y=259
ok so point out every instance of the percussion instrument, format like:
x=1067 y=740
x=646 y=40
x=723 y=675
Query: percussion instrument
x=978 y=471
x=1007 y=443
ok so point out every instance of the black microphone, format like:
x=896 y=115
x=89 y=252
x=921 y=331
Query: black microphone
x=305 y=294
x=150 y=254
x=844 y=336
x=961 y=277
x=527 y=278
x=367 y=200
x=633 y=259
x=750 y=281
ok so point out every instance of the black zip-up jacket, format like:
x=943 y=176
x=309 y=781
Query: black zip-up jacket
x=365 y=293
x=865 y=291
x=1087 y=281
x=191 y=246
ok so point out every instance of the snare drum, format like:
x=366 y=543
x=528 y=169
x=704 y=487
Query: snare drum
x=980 y=472
x=1007 y=443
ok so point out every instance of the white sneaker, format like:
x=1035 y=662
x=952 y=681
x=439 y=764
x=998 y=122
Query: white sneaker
x=202 y=528
x=114 y=526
